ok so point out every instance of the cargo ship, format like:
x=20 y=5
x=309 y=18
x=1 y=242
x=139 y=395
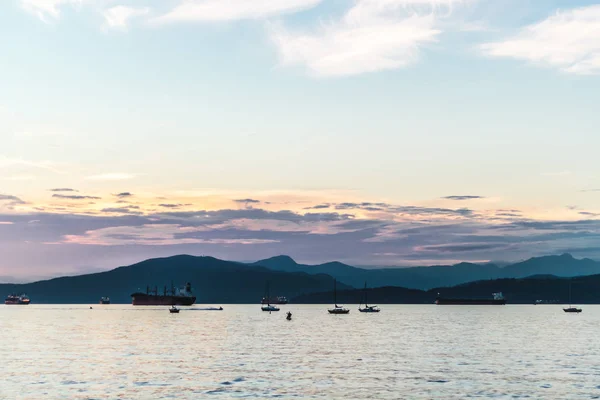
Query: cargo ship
x=20 y=299
x=497 y=300
x=274 y=300
x=174 y=297
x=104 y=300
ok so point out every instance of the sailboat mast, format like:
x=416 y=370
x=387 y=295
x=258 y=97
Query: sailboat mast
x=570 y=300
x=366 y=304
x=335 y=292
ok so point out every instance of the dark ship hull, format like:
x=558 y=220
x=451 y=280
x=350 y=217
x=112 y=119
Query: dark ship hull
x=16 y=302
x=470 y=302
x=143 y=299
x=173 y=297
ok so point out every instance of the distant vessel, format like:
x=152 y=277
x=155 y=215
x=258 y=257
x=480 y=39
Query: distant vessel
x=174 y=310
x=175 y=297
x=274 y=300
x=268 y=306
x=337 y=309
x=104 y=300
x=20 y=299
x=367 y=308
x=571 y=309
x=497 y=300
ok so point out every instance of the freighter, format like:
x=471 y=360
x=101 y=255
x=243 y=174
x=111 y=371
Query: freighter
x=175 y=297
x=498 y=300
x=274 y=300
x=20 y=299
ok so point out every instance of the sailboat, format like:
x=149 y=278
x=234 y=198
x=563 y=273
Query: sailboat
x=571 y=309
x=268 y=306
x=367 y=307
x=337 y=309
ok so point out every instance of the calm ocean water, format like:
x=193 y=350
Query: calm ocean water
x=404 y=352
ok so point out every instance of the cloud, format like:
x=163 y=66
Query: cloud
x=45 y=9
x=117 y=176
x=123 y=195
x=118 y=17
x=75 y=197
x=121 y=210
x=6 y=162
x=171 y=205
x=373 y=35
x=11 y=200
x=568 y=41
x=462 y=247
x=247 y=201
x=63 y=190
x=229 y=10
x=318 y=207
x=463 y=197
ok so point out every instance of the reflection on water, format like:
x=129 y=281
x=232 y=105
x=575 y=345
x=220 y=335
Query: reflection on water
x=417 y=352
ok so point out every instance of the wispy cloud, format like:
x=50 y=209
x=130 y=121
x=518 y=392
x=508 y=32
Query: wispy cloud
x=48 y=9
x=75 y=197
x=373 y=35
x=116 y=176
x=463 y=197
x=63 y=190
x=568 y=40
x=6 y=162
x=13 y=200
x=123 y=195
x=118 y=17
x=228 y=10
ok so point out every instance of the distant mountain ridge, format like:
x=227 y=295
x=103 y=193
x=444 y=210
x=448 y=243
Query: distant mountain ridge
x=550 y=289
x=214 y=281
x=564 y=265
x=222 y=282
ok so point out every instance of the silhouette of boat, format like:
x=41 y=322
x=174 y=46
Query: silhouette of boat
x=104 y=300
x=174 y=310
x=337 y=309
x=17 y=299
x=268 y=307
x=497 y=300
x=367 y=308
x=571 y=309
x=175 y=297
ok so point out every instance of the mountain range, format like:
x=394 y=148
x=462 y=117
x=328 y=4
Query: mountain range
x=219 y=282
x=425 y=278
x=547 y=288
x=214 y=281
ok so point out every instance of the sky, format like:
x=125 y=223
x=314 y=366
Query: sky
x=372 y=132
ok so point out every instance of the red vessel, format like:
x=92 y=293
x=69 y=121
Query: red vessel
x=17 y=299
x=176 y=297
x=274 y=300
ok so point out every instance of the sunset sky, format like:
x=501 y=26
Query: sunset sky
x=373 y=132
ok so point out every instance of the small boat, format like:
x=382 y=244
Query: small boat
x=20 y=299
x=571 y=309
x=289 y=316
x=337 y=309
x=104 y=300
x=268 y=307
x=367 y=308
x=174 y=310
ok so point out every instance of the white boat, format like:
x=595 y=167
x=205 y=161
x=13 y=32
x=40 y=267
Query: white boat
x=337 y=309
x=268 y=307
